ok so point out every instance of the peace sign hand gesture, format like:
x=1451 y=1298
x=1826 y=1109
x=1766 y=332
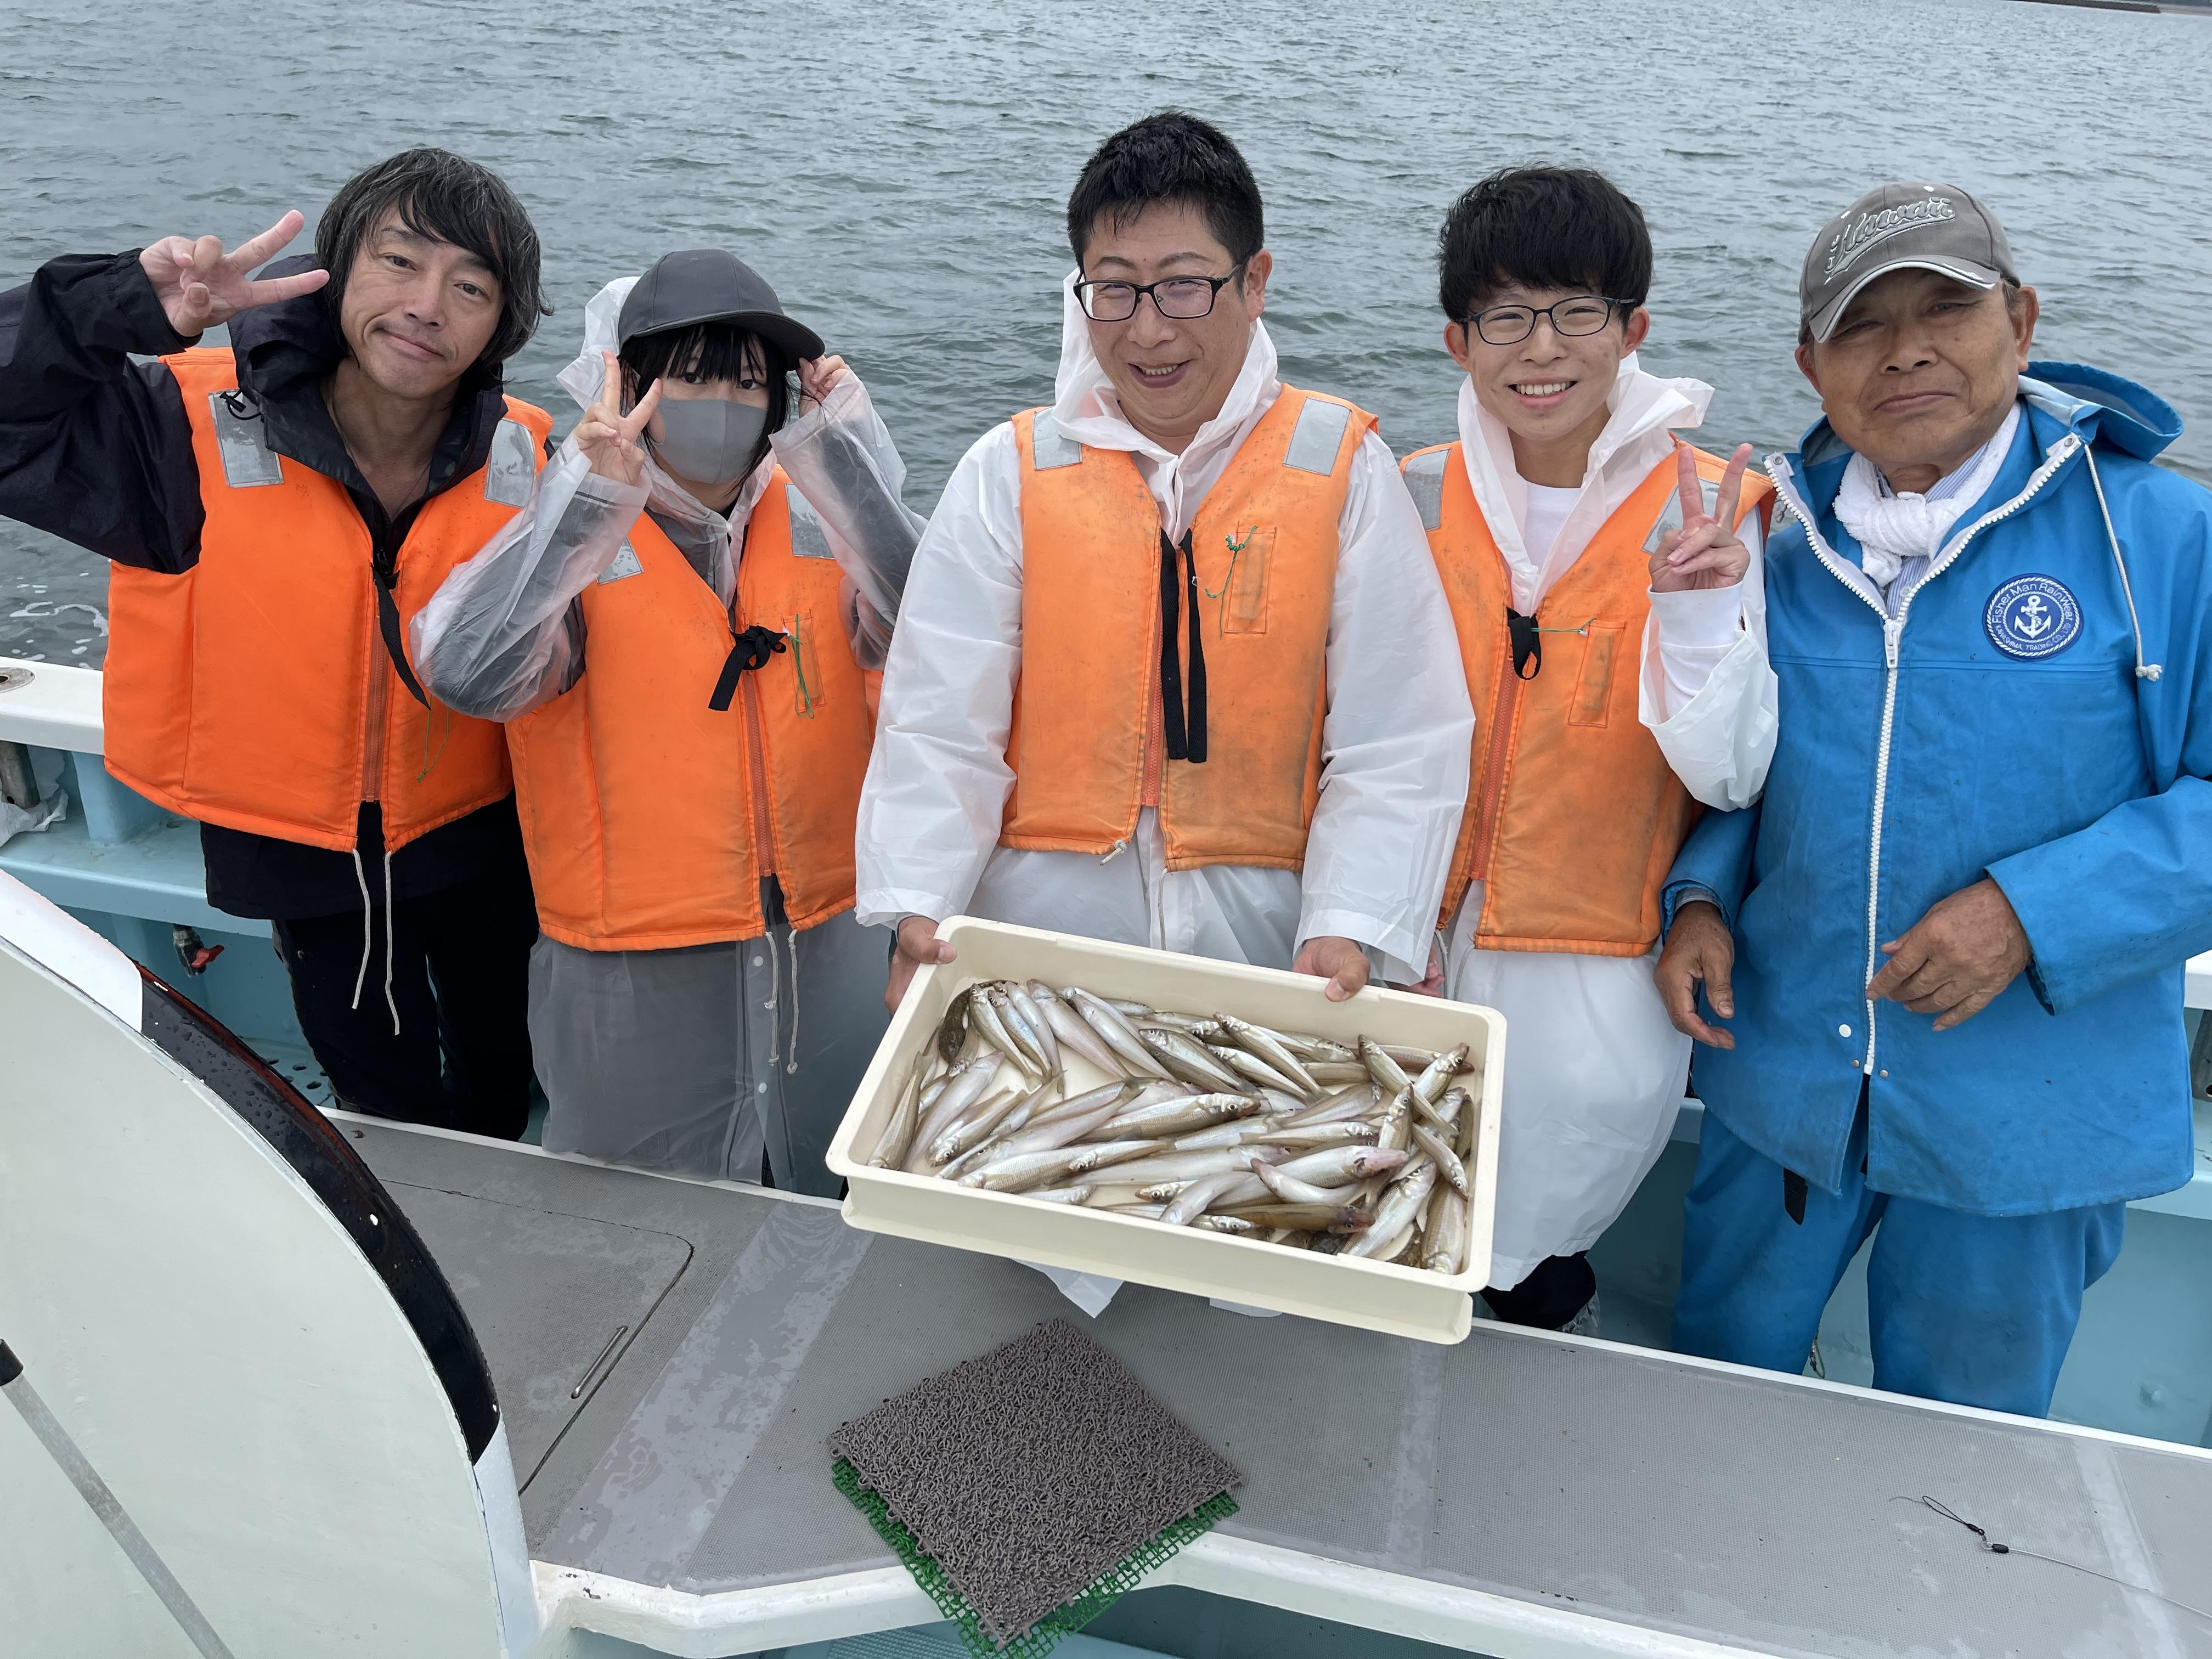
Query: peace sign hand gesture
x=1705 y=552
x=609 y=439
x=199 y=285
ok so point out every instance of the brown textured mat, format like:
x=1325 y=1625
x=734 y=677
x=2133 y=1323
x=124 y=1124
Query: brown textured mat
x=1028 y=1471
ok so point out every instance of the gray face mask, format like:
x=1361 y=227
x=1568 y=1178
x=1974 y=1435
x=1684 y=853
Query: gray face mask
x=708 y=440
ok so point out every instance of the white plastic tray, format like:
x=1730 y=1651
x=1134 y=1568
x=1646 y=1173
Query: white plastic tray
x=1410 y=1301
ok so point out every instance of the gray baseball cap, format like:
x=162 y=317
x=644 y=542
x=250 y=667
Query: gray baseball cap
x=706 y=285
x=1899 y=227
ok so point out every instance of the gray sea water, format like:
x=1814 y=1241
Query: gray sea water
x=898 y=169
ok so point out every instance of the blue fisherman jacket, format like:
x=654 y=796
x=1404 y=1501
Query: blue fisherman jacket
x=1998 y=725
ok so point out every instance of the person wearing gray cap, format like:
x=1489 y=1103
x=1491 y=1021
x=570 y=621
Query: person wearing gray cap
x=682 y=631
x=1938 y=966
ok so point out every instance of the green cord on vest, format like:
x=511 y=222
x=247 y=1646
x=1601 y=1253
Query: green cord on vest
x=430 y=760
x=1236 y=551
x=798 y=665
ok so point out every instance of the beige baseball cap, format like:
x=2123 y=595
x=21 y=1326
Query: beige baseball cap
x=1899 y=227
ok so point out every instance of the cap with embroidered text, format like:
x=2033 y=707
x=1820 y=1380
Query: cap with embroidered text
x=1899 y=228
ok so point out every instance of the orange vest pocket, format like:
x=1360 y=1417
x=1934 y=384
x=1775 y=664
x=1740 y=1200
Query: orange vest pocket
x=1601 y=644
x=1243 y=591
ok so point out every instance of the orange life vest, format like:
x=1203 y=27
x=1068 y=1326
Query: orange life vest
x=253 y=690
x=649 y=816
x=1084 y=746
x=1573 y=816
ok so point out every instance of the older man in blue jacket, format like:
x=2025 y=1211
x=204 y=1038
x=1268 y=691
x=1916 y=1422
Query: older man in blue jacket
x=1940 y=962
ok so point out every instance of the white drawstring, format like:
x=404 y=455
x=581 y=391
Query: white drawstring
x=791 y=944
x=775 y=991
x=2143 y=670
x=368 y=927
x=390 y=1001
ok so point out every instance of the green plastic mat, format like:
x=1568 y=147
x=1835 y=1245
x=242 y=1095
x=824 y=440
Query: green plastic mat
x=1100 y=1594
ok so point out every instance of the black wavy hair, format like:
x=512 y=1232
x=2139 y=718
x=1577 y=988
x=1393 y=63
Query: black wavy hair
x=713 y=351
x=1171 y=156
x=1543 y=228
x=452 y=199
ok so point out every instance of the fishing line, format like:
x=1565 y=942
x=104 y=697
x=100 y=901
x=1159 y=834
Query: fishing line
x=1991 y=1547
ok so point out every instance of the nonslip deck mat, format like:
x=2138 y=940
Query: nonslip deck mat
x=1034 y=1484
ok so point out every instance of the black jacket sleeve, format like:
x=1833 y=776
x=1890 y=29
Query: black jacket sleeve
x=94 y=448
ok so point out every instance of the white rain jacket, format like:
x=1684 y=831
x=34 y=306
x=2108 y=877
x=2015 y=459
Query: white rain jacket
x=1594 y=1071
x=502 y=635
x=1394 y=741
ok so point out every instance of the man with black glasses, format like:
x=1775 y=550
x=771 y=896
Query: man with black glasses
x=1941 y=963
x=1173 y=668
x=276 y=510
x=1604 y=579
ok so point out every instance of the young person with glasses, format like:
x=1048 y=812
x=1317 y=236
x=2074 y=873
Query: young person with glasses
x=1173 y=667
x=682 y=632
x=1604 y=580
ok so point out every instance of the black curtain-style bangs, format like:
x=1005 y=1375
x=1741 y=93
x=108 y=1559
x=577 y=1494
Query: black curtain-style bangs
x=1546 y=228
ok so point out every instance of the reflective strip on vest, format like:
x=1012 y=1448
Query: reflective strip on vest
x=243 y=438
x=1264 y=543
x=1424 y=482
x=639 y=802
x=1318 y=436
x=1573 y=815
x=239 y=692
x=1052 y=446
x=512 y=467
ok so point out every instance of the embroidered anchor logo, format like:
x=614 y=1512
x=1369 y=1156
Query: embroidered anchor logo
x=2034 y=618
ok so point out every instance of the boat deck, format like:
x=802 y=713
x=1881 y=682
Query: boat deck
x=672 y=1356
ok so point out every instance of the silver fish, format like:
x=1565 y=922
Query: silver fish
x=1068 y=1028
x=1186 y=1023
x=1447 y=1161
x=1105 y=1154
x=1145 y=1212
x=891 y=1147
x=1401 y=1205
x=1396 y=1122
x=1158 y=1165
x=1360 y=1100
x=1447 y=1238
x=1121 y=1005
x=1186 y=1058
x=1334 y=1219
x=1235 y=1133
x=1385 y=1070
x=1034 y=1023
x=1292 y=1190
x=1254 y=1069
x=972 y=1082
x=1464 y=1115
x=1017 y=1174
x=1405 y=1054
x=1319 y=1135
x=972 y=1130
x=1334 y=1166
x=983 y=1015
x=1194 y=1200
x=1116 y=1032
x=1080 y=1194
x=1172 y=1117
x=1432 y=1082
x=1269 y=1046
x=1307 y=1047
x=1065 y=1129
x=1002 y=1005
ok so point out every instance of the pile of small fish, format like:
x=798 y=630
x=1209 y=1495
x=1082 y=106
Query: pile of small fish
x=1212 y=1123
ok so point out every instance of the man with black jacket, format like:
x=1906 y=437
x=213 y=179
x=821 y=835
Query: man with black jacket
x=274 y=513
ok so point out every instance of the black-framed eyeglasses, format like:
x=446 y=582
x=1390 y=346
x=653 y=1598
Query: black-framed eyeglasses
x=1586 y=313
x=1184 y=299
